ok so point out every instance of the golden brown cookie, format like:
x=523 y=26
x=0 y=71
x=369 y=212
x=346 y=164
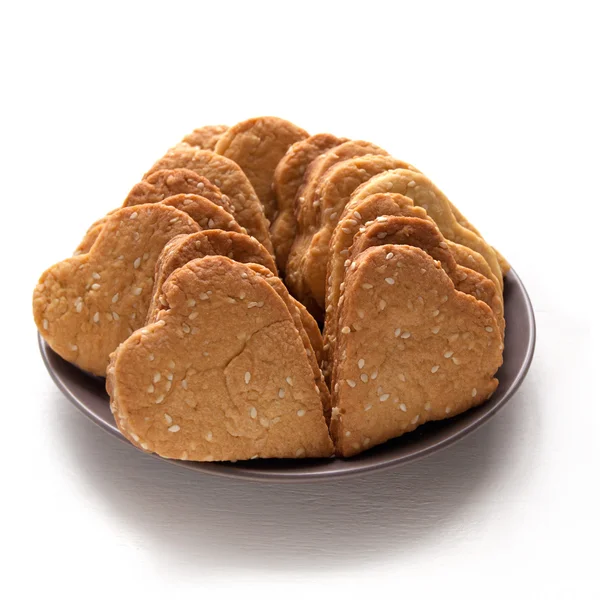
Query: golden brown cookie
x=183 y=249
x=425 y=194
x=172 y=182
x=186 y=387
x=229 y=178
x=287 y=180
x=429 y=354
x=257 y=145
x=307 y=265
x=307 y=206
x=207 y=213
x=205 y=137
x=86 y=305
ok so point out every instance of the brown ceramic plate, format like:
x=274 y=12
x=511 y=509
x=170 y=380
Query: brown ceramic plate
x=87 y=393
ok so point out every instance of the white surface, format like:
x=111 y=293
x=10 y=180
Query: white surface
x=499 y=105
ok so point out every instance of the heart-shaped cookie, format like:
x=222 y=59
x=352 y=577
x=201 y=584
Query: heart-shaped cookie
x=86 y=305
x=430 y=354
x=229 y=178
x=172 y=182
x=257 y=145
x=206 y=213
x=287 y=180
x=192 y=389
x=181 y=250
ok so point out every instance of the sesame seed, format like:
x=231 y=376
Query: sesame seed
x=356 y=445
x=364 y=378
x=95 y=286
x=435 y=313
x=184 y=384
x=382 y=304
x=247 y=377
x=443 y=245
x=156 y=377
x=366 y=286
x=474 y=392
x=301 y=412
x=357 y=215
x=435 y=368
x=381 y=235
x=351 y=382
x=374 y=375
x=133 y=215
x=135 y=437
x=368 y=407
x=344 y=252
x=115 y=298
x=415 y=419
x=150 y=389
x=444 y=299
x=159 y=399
x=389 y=255
x=45 y=323
x=402 y=406
x=401 y=377
x=411 y=183
x=383 y=397
x=150 y=357
x=253 y=412
x=300 y=452
x=203 y=296
x=390 y=280
x=174 y=428
x=137 y=291
x=281 y=393
x=96 y=317
x=360 y=313
x=361 y=363
x=136 y=262
x=96 y=275
x=366 y=442
x=427 y=406
x=289 y=381
x=186 y=328
x=346 y=329
x=336 y=388
x=397 y=332
x=435 y=330
x=79 y=307
x=146 y=256
x=448 y=354
x=405 y=335
x=115 y=316
x=489 y=329
x=208 y=437
x=332 y=216
x=448 y=409
x=346 y=230
x=380 y=390
x=168 y=419
x=347 y=434
x=74 y=347
x=169 y=376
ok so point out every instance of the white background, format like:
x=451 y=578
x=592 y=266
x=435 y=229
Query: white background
x=498 y=103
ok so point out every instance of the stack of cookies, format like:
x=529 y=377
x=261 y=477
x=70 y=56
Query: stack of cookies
x=391 y=314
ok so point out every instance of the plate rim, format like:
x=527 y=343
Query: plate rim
x=249 y=474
